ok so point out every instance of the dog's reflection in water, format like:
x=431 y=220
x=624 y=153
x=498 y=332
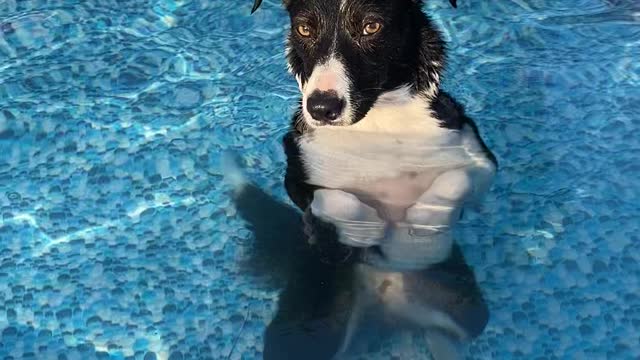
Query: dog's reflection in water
x=333 y=299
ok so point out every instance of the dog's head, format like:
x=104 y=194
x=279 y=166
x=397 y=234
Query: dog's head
x=347 y=54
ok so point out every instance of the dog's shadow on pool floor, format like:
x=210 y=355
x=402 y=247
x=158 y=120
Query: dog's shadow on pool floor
x=310 y=319
x=318 y=298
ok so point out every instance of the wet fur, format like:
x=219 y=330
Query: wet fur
x=327 y=289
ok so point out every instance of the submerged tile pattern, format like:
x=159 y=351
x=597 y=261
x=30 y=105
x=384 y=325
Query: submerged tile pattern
x=118 y=239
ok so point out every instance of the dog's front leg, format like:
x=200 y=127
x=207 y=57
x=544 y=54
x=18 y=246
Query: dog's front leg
x=425 y=238
x=358 y=224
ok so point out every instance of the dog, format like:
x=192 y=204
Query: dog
x=369 y=73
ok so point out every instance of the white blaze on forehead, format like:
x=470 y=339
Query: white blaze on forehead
x=328 y=76
x=343 y=5
x=327 y=81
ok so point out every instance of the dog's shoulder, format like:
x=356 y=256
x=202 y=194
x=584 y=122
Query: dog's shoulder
x=451 y=115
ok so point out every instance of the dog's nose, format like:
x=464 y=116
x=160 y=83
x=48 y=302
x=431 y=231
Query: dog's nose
x=325 y=106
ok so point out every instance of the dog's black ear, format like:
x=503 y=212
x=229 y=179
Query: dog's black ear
x=454 y=3
x=256 y=5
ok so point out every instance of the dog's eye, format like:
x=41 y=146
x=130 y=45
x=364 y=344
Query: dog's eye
x=304 y=30
x=371 y=28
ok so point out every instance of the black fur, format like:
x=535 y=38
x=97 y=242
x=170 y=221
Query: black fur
x=452 y=116
x=407 y=51
x=314 y=268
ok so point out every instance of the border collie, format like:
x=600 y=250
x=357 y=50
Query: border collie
x=371 y=67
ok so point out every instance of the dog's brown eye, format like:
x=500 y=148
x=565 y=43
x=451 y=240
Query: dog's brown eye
x=371 y=28
x=304 y=30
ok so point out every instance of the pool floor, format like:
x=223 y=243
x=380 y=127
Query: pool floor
x=118 y=236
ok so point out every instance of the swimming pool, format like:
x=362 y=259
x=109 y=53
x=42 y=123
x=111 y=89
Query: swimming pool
x=118 y=237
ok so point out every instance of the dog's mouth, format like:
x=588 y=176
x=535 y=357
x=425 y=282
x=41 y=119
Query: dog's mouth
x=305 y=122
x=317 y=124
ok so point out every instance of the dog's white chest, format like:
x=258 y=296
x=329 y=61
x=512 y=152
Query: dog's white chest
x=390 y=170
x=393 y=168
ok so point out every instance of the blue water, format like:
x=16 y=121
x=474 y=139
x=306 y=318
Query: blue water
x=118 y=237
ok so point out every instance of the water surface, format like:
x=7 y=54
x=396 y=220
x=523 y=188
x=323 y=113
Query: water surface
x=118 y=237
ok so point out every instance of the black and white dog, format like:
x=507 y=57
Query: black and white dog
x=370 y=69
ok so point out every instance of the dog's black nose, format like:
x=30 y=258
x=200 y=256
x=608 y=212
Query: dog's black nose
x=325 y=106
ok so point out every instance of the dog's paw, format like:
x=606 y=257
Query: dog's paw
x=408 y=248
x=441 y=204
x=341 y=206
x=357 y=224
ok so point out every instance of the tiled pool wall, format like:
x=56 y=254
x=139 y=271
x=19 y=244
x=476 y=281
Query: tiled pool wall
x=118 y=237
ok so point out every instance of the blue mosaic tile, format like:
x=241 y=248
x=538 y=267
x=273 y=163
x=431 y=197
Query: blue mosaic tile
x=118 y=238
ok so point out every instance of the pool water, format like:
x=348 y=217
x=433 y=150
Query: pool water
x=118 y=235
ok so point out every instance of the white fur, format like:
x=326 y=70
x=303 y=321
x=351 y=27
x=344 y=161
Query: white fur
x=397 y=97
x=400 y=112
x=328 y=76
x=399 y=134
x=397 y=299
x=484 y=170
x=411 y=247
x=339 y=158
x=358 y=224
x=343 y=5
x=449 y=169
x=432 y=92
x=287 y=50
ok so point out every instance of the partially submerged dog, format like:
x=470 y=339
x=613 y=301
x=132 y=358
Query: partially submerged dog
x=381 y=162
